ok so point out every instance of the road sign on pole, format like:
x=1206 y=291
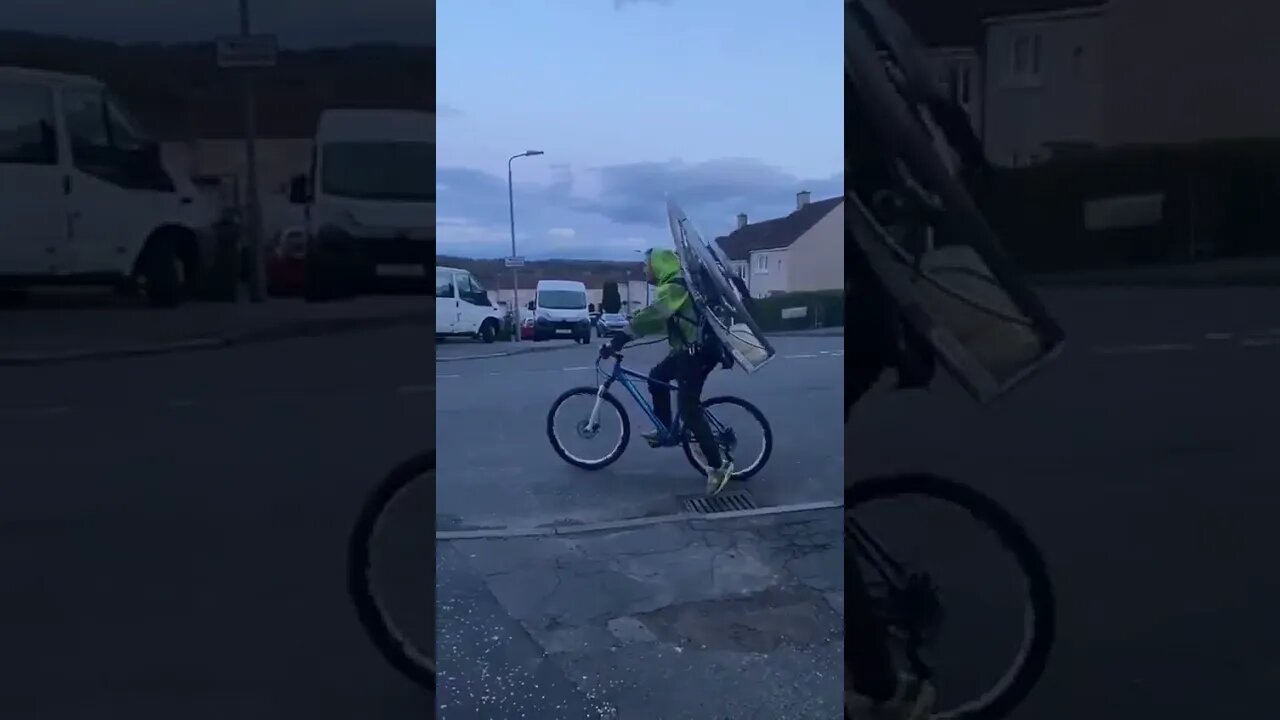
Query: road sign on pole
x=247 y=51
x=515 y=262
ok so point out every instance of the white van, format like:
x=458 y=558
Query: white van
x=463 y=308
x=560 y=310
x=369 y=203
x=85 y=196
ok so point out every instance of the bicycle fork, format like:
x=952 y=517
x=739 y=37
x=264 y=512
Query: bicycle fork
x=594 y=418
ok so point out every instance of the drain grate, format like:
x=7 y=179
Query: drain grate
x=732 y=501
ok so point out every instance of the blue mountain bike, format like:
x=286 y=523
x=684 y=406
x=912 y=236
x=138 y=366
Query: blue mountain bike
x=595 y=417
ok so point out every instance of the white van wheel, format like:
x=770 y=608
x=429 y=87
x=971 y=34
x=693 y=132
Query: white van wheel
x=488 y=330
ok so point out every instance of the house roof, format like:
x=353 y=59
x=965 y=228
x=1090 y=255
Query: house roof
x=947 y=23
x=777 y=233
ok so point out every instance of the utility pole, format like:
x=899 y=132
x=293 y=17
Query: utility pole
x=253 y=209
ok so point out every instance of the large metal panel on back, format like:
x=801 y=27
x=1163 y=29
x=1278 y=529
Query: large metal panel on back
x=957 y=287
x=709 y=276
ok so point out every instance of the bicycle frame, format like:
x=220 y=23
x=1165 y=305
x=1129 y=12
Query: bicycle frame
x=669 y=435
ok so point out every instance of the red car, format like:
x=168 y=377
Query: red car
x=526 y=329
x=286 y=262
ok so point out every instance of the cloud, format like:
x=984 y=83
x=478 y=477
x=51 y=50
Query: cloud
x=610 y=211
x=635 y=193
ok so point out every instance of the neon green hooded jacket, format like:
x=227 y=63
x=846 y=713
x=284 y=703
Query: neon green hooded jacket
x=671 y=300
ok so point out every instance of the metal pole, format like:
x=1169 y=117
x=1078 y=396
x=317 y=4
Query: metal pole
x=253 y=211
x=515 y=273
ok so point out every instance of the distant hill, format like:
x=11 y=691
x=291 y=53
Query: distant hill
x=594 y=273
x=179 y=93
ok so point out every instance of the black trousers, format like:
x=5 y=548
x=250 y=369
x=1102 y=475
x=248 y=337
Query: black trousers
x=691 y=372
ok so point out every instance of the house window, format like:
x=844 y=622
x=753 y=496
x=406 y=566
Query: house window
x=742 y=270
x=762 y=263
x=1025 y=57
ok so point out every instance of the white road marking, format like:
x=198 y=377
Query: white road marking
x=580 y=367
x=1260 y=342
x=448 y=376
x=795 y=357
x=1132 y=349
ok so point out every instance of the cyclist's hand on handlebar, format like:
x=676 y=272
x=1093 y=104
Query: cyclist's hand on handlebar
x=605 y=351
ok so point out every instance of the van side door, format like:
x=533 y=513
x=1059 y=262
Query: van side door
x=33 y=201
x=120 y=189
x=474 y=306
x=446 y=303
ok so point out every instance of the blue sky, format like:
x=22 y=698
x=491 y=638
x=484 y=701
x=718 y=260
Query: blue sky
x=730 y=106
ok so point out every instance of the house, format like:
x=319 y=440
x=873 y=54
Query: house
x=1061 y=74
x=1044 y=73
x=801 y=251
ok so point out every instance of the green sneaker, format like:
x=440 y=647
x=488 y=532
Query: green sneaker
x=718 y=478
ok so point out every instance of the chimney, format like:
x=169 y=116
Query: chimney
x=742 y=220
x=802 y=199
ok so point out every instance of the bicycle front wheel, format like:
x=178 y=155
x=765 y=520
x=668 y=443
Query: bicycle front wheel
x=741 y=431
x=909 y=601
x=406 y=492
x=581 y=440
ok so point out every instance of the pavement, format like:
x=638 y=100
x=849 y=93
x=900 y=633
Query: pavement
x=76 y=326
x=174 y=529
x=694 y=619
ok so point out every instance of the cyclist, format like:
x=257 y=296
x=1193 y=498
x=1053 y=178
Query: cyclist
x=690 y=360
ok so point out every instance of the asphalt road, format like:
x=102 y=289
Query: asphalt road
x=174 y=529
x=174 y=526
x=499 y=469
x=1144 y=464
x=1142 y=461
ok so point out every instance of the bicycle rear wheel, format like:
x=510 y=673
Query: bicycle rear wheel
x=414 y=660
x=909 y=604
x=734 y=437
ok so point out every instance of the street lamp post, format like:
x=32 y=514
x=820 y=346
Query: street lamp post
x=253 y=210
x=515 y=272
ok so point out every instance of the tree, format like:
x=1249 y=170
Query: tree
x=610 y=300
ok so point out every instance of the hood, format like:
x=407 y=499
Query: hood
x=665 y=265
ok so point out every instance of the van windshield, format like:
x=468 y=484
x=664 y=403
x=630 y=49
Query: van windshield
x=562 y=299
x=380 y=170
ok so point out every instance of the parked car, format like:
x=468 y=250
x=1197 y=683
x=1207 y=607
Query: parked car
x=286 y=262
x=86 y=197
x=526 y=329
x=370 y=203
x=610 y=323
x=560 y=310
x=463 y=307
